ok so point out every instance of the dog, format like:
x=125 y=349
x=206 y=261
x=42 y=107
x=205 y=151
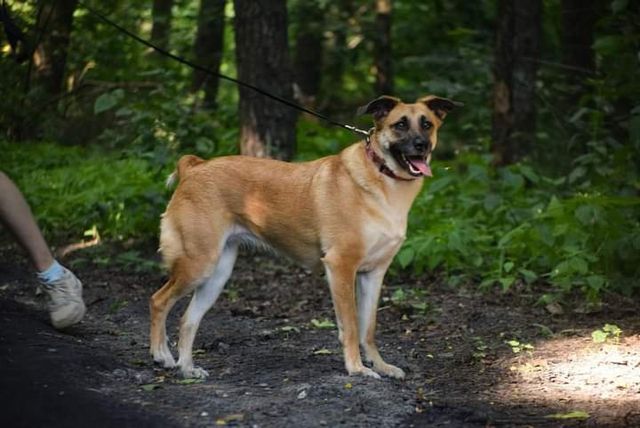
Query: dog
x=345 y=213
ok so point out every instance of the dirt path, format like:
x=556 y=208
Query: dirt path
x=271 y=366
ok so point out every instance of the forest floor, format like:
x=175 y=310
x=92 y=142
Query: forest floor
x=472 y=359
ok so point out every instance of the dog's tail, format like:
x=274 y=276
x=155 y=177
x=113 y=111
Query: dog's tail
x=184 y=164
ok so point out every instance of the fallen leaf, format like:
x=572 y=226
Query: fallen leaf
x=324 y=324
x=302 y=395
x=323 y=351
x=234 y=417
x=348 y=385
x=288 y=328
x=576 y=414
x=189 y=381
x=150 y=386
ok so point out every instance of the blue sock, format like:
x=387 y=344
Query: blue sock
x=52 y=273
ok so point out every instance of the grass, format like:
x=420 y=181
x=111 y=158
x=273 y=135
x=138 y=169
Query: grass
x=73 y=189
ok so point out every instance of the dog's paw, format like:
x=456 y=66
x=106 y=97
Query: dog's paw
x=164 y=359
x=363 y=371
x=390 y=370
x=194 y=373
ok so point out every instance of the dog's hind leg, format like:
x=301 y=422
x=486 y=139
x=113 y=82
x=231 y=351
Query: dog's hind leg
x=369 y=285
x=160 y=305
x=186 y=274
x=203 y=298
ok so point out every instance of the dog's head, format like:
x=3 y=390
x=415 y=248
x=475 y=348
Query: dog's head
x=406 y=134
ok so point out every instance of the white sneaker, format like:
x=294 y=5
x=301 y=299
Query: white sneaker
x=66 y=306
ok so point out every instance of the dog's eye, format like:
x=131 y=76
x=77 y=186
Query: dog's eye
x=425 y=123
x=402 y=125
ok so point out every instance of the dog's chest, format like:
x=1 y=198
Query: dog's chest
x=382 y=240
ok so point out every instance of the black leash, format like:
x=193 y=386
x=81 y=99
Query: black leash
x=221 y=76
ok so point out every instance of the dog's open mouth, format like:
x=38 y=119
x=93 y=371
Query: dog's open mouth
x=416 y=165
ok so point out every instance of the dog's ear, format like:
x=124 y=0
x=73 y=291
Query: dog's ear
x=440 y=106
x=380 y=107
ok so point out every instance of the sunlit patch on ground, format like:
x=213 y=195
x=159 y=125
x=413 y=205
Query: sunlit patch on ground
x=602 y=379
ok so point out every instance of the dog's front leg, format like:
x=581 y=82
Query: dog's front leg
x=369 y=286
x=341 y=274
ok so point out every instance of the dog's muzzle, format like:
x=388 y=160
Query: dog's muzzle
x=412 y=154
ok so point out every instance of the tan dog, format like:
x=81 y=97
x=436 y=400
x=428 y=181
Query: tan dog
x=346 y=213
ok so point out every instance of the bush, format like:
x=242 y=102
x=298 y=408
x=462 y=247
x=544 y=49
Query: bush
x=515 y=225
x=72 y=189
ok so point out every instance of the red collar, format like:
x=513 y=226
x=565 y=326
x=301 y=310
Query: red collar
x=380 y=163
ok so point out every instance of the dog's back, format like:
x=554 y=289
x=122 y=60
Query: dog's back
x=241 y=195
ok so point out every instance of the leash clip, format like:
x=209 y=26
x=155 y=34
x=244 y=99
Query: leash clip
x=357 y=130
x=368 y=135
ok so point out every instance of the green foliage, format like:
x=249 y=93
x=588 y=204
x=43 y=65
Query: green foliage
x=514 y=225
x=316 y=140
x=609 y=331
x=518 y=347
x=103 y=256
x=107 y=101
x=411 y=301
x=169 y=124
x=72 y=189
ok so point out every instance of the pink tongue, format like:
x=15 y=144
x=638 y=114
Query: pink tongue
x=422 y=165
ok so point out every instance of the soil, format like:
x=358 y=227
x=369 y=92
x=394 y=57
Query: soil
x=472 y=359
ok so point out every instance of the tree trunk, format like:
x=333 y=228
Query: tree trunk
x=161 y=26
x=307 y=60
x=340 y=13
x=382 y=48
x=50 y=56
x=516 y=54
x=208 y=48
x=267 y=127
x=578 y=24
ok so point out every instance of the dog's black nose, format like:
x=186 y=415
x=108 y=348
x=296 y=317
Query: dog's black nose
x=420 y=145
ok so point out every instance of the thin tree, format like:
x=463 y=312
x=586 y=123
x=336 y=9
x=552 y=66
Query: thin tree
x=382 y=48
x=267 y=128
x=578 y=24
x=340 y=13
x=517 y=53
x=45 y=74
x=308 y=51
x=208 y=48
x=55 y=21
x=161 y=25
